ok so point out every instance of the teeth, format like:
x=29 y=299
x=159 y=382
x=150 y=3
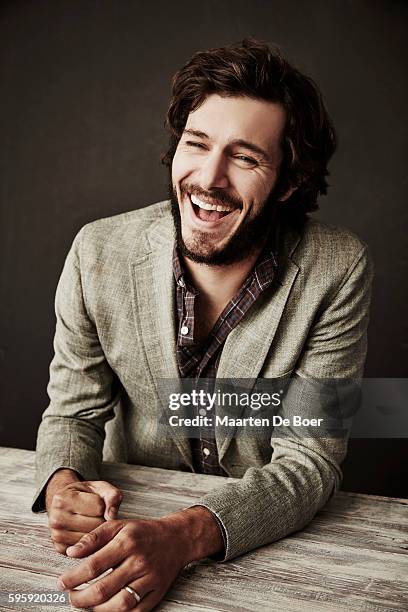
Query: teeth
x=207 y=206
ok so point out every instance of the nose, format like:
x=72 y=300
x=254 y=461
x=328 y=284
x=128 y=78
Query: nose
x=214 y=171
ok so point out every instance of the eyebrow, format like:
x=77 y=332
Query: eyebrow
x=237 y=142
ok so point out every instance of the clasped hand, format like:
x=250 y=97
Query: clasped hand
x=146 y=555
x=143 y=554
x=79 y=507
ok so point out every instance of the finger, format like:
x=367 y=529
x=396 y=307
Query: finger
x=105 y=590
x=76 y=501
x=96 y=539
x=61 y=548
x=69 y=538
x=110 y=556
x=125 y=600
x=73 y=522
x=111 y=495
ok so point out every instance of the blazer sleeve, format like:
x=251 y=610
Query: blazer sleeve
x=81 y=387
x=272 y=501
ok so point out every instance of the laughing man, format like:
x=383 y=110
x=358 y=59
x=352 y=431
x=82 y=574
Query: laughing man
x=229 y=278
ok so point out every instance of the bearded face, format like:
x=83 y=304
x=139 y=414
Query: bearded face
x=224 y=178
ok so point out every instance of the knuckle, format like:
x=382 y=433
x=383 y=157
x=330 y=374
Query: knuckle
x=127 y=601
x=90 y=538
x=125 y=544
x=118 y=493
x=92 y=566
x=101 y=591
x=110 y=486
x=70 y=490
x=58 y=501
x=56 y=536
x=54 y=522
x=73 y=495
x=130 y=530
x=139 y=565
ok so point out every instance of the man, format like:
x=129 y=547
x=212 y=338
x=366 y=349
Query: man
x=250 y=287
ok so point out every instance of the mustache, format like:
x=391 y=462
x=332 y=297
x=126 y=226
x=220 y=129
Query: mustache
x=215 y=196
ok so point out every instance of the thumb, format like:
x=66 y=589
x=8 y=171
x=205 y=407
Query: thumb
x=93 y=541
x=112 y=496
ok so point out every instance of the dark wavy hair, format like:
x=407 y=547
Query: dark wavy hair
x=251 y=68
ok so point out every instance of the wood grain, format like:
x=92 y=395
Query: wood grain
x=353 y=556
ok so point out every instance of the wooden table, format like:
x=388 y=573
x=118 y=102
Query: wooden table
x=353 y=556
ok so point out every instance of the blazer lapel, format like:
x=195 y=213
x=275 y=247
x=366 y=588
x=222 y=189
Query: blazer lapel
x=247 y=346
x=154 y=311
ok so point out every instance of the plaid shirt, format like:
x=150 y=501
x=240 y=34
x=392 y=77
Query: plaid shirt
x=201 y=359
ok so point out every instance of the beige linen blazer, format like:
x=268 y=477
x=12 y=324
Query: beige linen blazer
x=115 y=337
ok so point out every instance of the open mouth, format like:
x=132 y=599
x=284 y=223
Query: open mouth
x=210 y=212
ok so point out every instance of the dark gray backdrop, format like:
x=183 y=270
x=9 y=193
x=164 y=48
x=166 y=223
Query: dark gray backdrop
x=84 y=89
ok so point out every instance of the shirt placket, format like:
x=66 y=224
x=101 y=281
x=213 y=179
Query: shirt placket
x=202 y=361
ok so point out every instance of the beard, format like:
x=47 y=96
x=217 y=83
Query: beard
x=251 y=235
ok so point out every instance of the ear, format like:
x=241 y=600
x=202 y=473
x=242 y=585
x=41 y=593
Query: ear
x=287 y=195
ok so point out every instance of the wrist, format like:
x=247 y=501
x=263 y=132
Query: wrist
x=198 y=533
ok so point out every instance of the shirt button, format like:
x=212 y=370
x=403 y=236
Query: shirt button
x=181 y=283
x=206 y=452
x=184 y=330
x=202 y=411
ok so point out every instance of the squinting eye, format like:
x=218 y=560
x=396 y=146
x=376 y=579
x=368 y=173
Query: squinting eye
x=246 y=160
x=198 y=145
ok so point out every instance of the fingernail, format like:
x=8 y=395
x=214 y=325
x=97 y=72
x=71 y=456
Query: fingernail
x=61 y=586
x=75 y=547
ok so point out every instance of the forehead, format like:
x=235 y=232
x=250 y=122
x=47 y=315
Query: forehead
x=225 y=119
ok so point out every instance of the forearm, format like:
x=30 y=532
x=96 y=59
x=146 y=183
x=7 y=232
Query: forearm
x=271 y=502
